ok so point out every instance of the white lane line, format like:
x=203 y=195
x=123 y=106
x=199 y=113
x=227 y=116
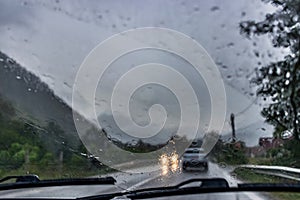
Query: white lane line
x=253 y=196
x=142 y=182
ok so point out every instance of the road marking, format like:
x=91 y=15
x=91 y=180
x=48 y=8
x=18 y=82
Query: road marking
x=253 y=196
x=142 y=182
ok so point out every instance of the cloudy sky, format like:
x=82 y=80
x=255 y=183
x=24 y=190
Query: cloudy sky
x=52 y=38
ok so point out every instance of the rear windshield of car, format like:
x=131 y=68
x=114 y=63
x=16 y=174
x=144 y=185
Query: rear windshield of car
x=192 y=151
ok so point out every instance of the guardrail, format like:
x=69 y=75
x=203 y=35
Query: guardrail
x=279 y=171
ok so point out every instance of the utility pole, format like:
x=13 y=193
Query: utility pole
x=233 y=127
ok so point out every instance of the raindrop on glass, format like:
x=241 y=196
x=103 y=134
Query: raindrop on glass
x=214 y=8
x=287 y=82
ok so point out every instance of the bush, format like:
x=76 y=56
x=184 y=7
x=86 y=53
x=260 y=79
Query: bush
x=286 y=156
x=230 y=153
x=47 y=159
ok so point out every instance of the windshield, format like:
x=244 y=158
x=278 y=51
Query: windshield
x=127 y=88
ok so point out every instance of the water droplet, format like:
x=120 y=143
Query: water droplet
x=10 y=61
x=101 y=105
x=149 y=87
x=230 y=44
x=295 y=18
x=239 y=72
x=287 y=82
x=278 y=71
x=214 y=8
x=234 y=176
x=224 y=67
x=177 y=137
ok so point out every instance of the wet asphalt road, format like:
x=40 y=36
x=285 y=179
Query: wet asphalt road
x=127 y=181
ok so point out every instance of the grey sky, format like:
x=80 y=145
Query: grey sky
x=51 y=38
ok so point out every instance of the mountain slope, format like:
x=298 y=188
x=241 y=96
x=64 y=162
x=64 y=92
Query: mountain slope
x=34 y=100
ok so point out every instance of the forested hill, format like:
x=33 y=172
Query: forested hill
x=37 y=131
x=33 y=99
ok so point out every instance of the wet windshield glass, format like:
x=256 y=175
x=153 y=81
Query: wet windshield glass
x=131 y=88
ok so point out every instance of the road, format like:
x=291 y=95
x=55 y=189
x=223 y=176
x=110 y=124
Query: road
x=127 y=181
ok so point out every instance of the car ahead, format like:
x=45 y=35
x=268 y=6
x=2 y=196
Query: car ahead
x=194 y=159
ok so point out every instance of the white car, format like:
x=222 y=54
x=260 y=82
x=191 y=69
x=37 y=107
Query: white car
x=194 y=159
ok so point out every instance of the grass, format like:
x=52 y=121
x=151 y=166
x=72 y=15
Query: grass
x=260 y=161
x=250 y=176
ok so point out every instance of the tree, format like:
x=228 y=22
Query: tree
x=279 y=81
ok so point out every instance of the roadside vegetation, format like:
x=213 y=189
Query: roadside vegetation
x=248 y=175
x=26 y=147
x=229 y=153
x=287 y=155
x=277 y=83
